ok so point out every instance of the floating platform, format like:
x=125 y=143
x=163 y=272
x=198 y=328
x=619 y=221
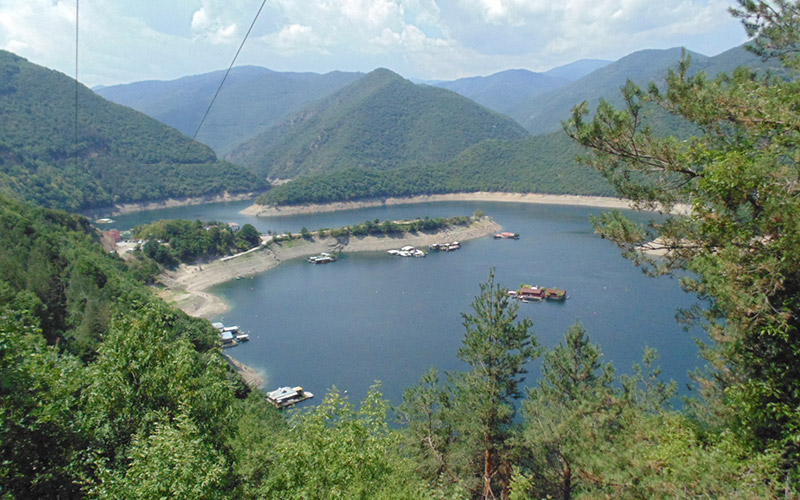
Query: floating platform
x=323 y=258
x=407 y=251
x=283 y=397
x=506 y=236
x=528 y=293
x=446 y=247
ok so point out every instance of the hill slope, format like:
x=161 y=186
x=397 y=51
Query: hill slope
x=541 y=164
x=252 y=100
x=379 y=122
x=122 y=155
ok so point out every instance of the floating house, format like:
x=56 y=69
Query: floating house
x=446 y=247
x=323 y=258
x=227 y=339
x=537 y=293
x=506 y=236
x=287 y=396
x=407 y=251
x=531 y=293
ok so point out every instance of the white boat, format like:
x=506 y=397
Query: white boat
x=287 y=396
x=407 y=251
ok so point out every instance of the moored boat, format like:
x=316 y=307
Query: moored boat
x=287 y=396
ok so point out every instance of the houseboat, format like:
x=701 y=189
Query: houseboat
x=528 y=293
x=506 y=236
x=407 y=251
x=446 y=247
x=227 y=339
x=323 y=258
x=287 y=396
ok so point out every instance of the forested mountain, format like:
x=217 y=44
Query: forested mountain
x=380 y=122
x=577 y=69
x=252 y=99
x=122 y=154
x=545 y=112
x=506 y=90
x=540 y=164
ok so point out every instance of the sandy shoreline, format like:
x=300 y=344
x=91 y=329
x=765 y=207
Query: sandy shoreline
x=549 y=199
x=186 y=286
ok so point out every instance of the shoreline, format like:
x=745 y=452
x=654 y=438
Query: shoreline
x=536 y=198
x=129 y=208
x=186 y=287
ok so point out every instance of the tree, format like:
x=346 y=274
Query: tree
x=249 y=234
x=574 y=385
x=337 y=452
x=465 y=429
x=740 y=232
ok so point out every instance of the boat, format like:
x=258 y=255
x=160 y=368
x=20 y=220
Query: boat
x=104 y=220
x=407 y=251
x=227 y=339
x=287 y=396
x=446 y=247
x=323 y=258
x=242 y=337
x=527 y=293
x=506 y=236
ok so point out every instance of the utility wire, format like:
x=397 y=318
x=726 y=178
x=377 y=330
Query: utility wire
x=229 y=70
x=77 y=85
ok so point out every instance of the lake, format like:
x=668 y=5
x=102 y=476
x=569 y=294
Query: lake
x=373 y=317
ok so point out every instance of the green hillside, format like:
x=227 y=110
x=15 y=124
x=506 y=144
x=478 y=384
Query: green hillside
x=542 y=164
x=252 y=100
x=380 y=122
x=122 y=155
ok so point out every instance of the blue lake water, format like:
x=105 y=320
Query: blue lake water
x=371 y=316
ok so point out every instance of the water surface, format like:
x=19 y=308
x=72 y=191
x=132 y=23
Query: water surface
x=371 y=316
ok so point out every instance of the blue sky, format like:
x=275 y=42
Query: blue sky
x=131 y=40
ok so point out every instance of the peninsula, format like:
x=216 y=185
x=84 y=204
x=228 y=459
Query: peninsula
x=187 y=285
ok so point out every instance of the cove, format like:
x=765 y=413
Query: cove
x=372 y=317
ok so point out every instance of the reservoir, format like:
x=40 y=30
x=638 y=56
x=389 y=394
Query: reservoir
x=373 y=317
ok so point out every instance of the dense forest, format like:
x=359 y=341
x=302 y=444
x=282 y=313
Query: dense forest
x=120 y=156
x=169 y=242
x=541 y=164
x=381 y=122
x=107 y=392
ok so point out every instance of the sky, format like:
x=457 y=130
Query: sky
x=122 y=41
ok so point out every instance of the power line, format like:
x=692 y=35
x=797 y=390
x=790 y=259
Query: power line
x=229 y=70
x=77 y=85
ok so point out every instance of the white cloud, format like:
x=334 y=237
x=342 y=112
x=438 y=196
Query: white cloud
x=296 y=38
x=128 y=40
x=204 y=24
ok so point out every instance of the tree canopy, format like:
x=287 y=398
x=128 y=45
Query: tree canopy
x=739 y=229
